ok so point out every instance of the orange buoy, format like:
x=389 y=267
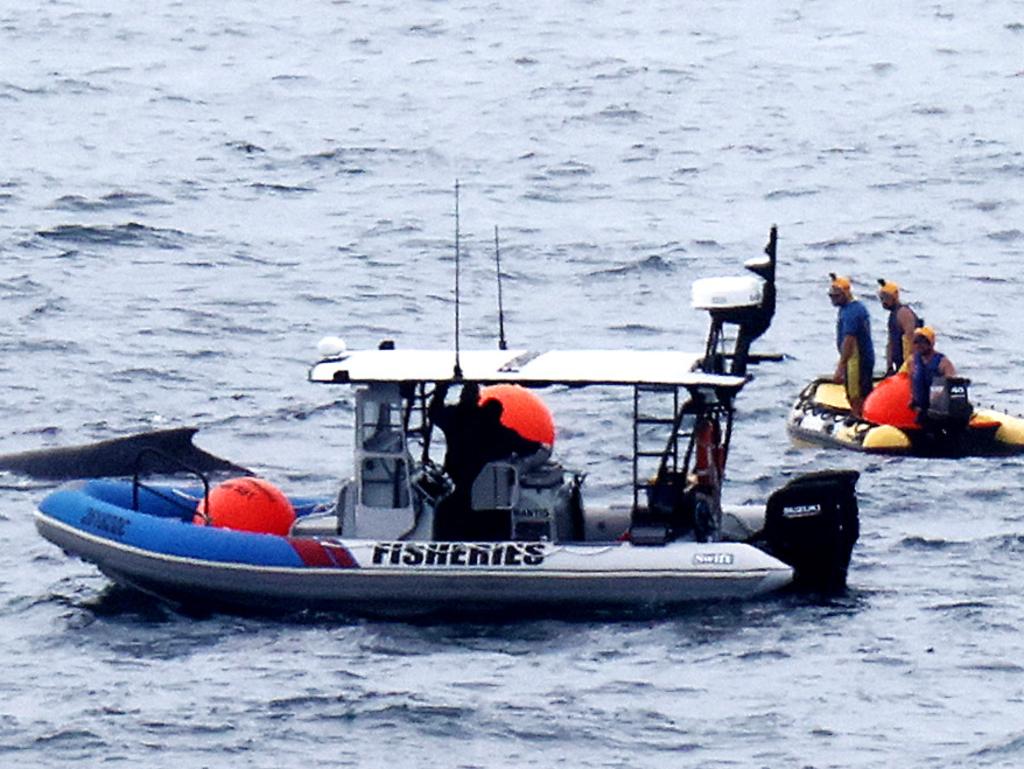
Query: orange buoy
x=522 y=411
x=889 y=403
x=247 y=504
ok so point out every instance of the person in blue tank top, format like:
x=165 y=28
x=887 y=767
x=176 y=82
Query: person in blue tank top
x=855 y=368
x=926 y=364
x=902 y=322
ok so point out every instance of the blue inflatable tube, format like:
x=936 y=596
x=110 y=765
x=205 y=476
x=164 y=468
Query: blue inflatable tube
x=163 y=524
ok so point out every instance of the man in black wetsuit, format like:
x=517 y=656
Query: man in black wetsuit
x=458 y=423
x=475 y=436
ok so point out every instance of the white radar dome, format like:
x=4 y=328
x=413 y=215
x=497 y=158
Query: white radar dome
x=331 y=347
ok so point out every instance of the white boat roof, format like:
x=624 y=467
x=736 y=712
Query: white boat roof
x=569 y=367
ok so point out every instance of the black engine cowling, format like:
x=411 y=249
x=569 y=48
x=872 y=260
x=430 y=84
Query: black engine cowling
x=811 y=524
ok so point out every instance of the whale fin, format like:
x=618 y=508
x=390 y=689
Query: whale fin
x=118 y=457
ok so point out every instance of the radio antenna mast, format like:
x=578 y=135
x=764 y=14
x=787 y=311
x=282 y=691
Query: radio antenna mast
x=457 y=373
x=502 y=344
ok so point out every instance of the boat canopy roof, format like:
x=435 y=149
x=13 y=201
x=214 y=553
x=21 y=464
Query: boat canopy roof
x=568 y=367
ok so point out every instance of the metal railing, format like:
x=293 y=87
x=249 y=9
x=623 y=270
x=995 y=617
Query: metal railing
x=172 y=461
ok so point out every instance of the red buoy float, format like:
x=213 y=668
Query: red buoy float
x=247 y=504
x=522 y=411
x=889 y=403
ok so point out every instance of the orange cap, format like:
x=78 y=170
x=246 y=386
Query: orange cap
x=840 y=285
x=927 y=332
x=888 y=287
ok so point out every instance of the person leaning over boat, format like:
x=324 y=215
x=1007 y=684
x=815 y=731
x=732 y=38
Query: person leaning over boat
x=457 y=421
x=902 y=322
x=474 y=436
x=853 y=339
x=926 y=364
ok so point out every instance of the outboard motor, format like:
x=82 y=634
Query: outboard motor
x=949 y=401
x=811 y=524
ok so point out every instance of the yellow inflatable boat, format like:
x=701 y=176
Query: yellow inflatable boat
x=821 y=415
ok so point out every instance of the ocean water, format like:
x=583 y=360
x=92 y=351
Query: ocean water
x=191 y=196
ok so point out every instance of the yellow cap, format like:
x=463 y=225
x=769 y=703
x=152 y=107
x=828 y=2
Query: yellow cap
x=840 y=285
x=888 y=287
x=927 y=332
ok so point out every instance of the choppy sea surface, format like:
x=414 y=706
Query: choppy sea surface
x=191 y=195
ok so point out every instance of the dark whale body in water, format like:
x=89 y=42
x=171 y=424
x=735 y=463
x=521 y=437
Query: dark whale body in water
x=165 y=452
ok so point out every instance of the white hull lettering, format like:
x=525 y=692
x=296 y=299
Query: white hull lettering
x=712 y=559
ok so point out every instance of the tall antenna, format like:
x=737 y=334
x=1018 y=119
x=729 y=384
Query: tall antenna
x=502 y=344
x=457 y=373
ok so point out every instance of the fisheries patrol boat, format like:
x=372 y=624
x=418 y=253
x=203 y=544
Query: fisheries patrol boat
x=821 y=415
x=378 y=545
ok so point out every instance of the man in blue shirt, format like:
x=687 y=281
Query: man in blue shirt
x=853 y=340
x=926 y=364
